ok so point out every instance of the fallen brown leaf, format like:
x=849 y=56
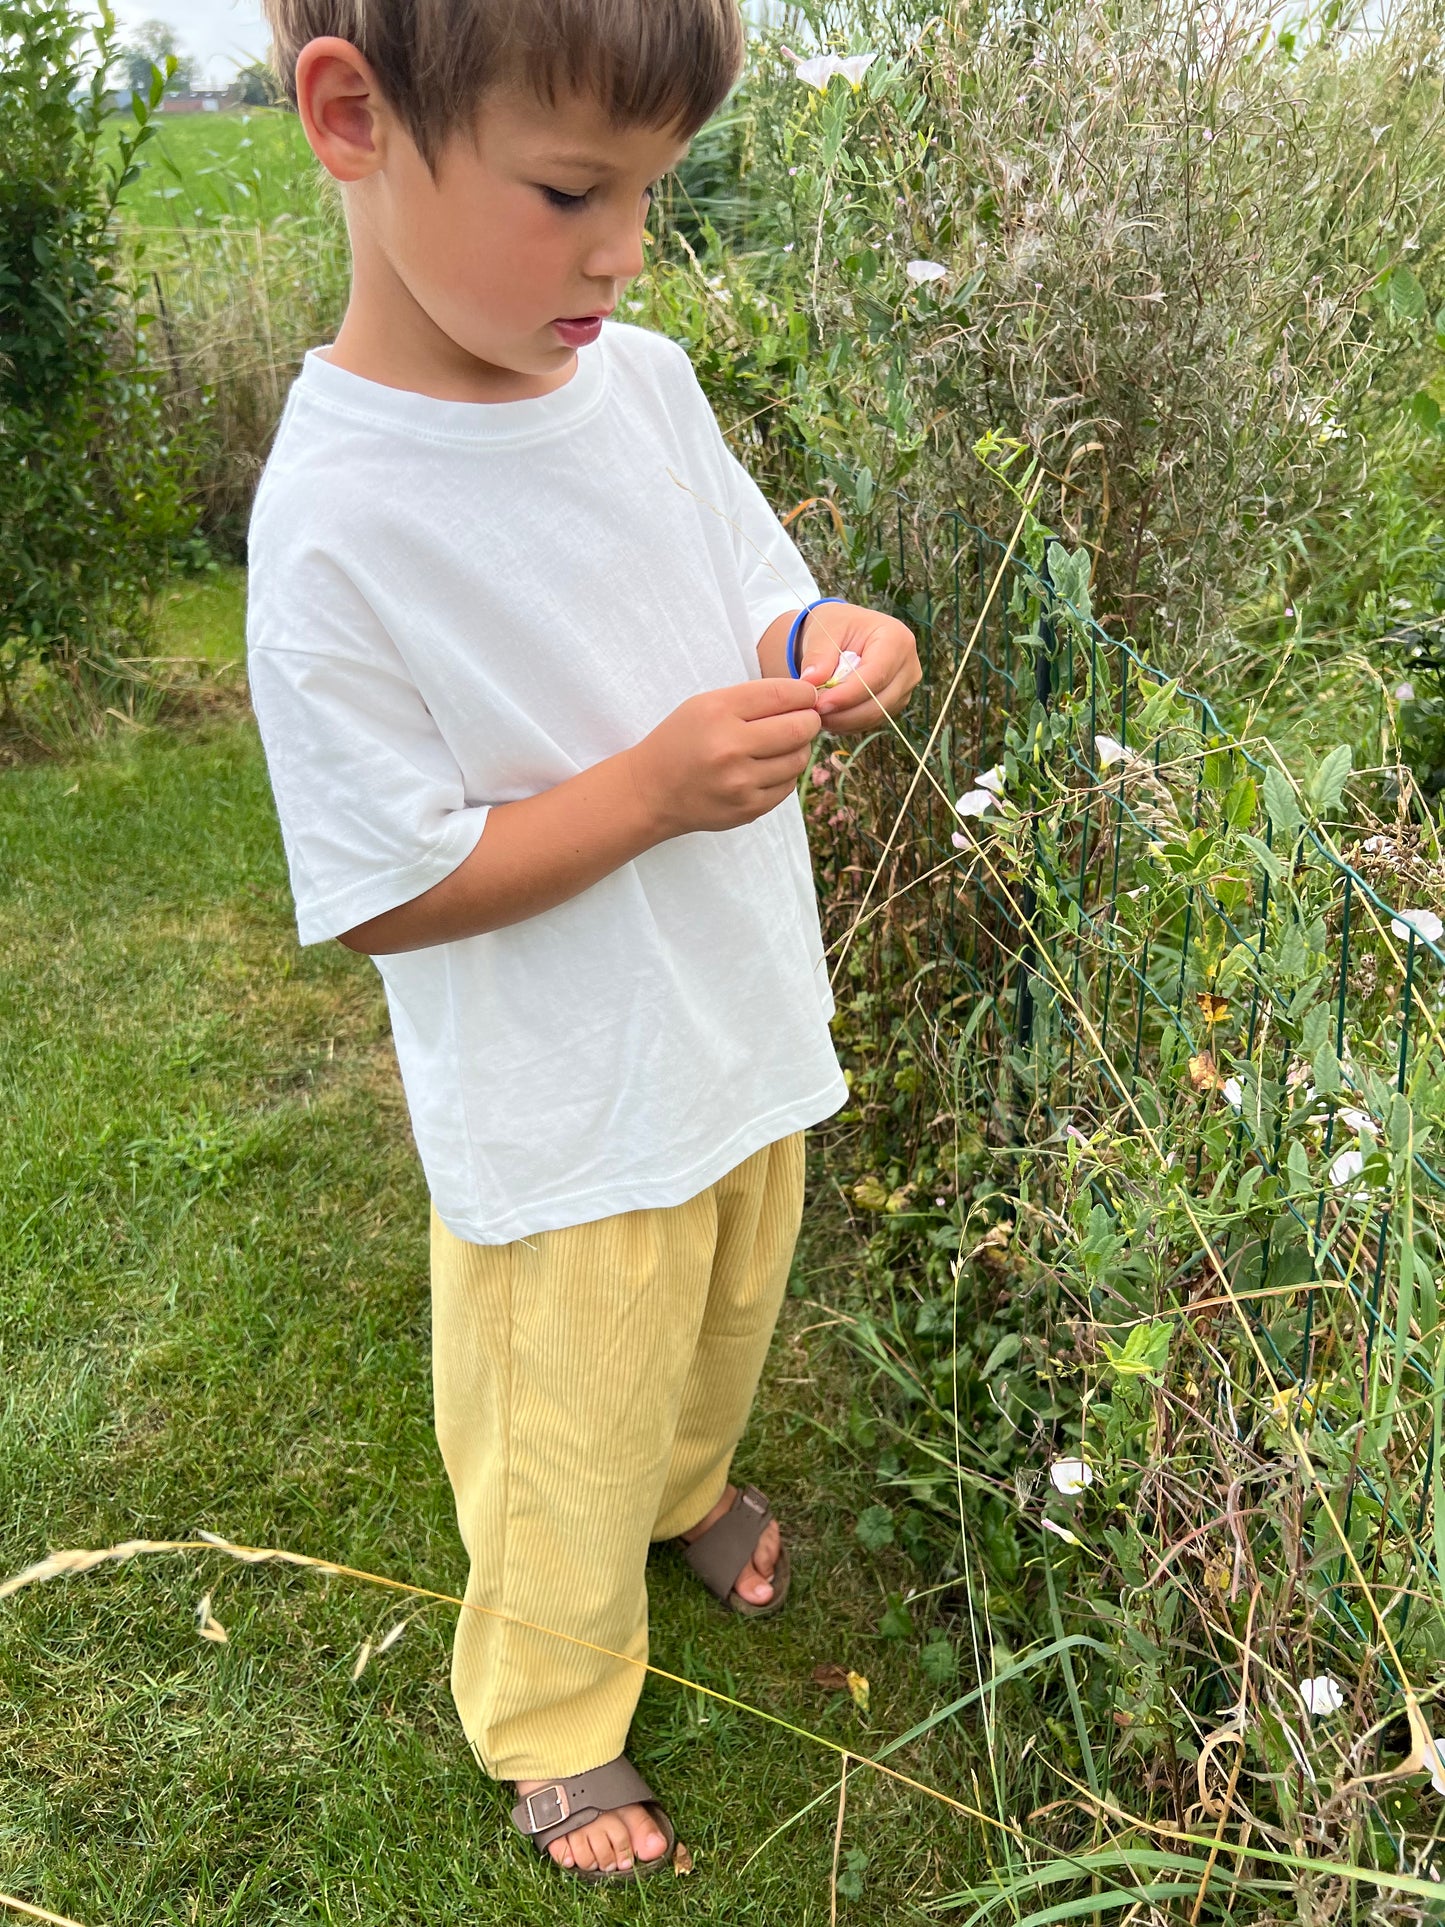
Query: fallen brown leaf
x=681 y=1859
x=832 y=1679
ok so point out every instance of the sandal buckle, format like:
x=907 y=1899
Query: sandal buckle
x=559 y=1807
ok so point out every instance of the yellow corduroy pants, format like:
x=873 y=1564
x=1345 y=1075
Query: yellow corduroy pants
x=591 y=1385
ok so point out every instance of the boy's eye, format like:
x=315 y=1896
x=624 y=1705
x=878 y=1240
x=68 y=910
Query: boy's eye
x=558 y=199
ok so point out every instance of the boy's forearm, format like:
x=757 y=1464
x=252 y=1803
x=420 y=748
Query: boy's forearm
x=532 y=855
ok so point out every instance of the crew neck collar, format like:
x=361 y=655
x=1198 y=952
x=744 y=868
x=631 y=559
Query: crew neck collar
x=495 y=423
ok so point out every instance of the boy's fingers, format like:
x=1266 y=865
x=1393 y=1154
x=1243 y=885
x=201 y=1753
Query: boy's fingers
x=772 y=736
x=773 y=696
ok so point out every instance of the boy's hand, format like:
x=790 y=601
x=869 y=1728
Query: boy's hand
x=725 y=757
x=885 y=677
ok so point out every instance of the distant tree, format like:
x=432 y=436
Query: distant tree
x=151 y=45
x=256 y=85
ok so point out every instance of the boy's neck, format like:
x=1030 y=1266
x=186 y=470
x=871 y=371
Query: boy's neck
x=386 y=336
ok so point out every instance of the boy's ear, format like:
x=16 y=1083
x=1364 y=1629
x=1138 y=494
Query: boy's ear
x=341 y=108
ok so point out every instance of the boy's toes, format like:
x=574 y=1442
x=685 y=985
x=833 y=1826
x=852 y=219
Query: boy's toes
x=647 y=1842
x=617 y=1854
x=756 y=1580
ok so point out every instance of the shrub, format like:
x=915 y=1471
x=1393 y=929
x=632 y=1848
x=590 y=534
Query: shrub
x=91 y=498
x=1188 y=259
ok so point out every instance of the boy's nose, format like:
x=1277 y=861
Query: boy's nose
x=618 y=258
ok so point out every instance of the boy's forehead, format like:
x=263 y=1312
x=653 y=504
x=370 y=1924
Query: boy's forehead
x=576 y=132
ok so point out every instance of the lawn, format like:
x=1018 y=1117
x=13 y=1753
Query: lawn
x=250 y=164
x=214 y=1315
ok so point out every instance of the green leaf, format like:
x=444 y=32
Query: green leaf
x=1144 y=1353
x=1241 y=803
x=1279 y=800
x=897 y=1621
x=1406 y=296
x=939 y=1660
x=874 y=1529
x=1325 y=1069
x=1269 y=862
x=1327 y=784
x=1425 y=412
x=1006 y=1348
x=1297 y=1165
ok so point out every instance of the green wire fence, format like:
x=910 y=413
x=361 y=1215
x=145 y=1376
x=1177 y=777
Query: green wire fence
x=1105 y=911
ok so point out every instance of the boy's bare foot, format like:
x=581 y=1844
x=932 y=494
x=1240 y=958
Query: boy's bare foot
x=611 y=1843
x=755 y=1580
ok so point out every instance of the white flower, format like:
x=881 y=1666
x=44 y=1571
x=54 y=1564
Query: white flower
x=1346 y=1166
x=1109 y=750
x=1435 y=1763
x=853 y=67
x=1062 y=1532
x=1405 y=693
x=848 y=661
x=961 y=842
x=818 y=71
x=974 y=803
x=1424 y=923
x=1354 y=1119
x=925 y=270
x=1321 y=1695
x=1233 y=1092
x=991 y=779
x=1142 y=891
x=1071 y=1476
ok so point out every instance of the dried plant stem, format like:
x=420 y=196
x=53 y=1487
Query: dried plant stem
x=838 y=1844
x=36 y=1913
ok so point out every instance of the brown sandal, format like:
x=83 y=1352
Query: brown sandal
x=721 y=1554
x=563 y=1806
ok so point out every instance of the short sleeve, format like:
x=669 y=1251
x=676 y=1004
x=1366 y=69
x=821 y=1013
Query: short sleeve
x=774 y=576
x=371 y=801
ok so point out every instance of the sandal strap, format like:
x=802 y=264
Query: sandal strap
x=721 y=1555
x=561 y=1807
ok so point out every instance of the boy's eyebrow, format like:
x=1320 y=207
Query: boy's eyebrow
x=592 y=163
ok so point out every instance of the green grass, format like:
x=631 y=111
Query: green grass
x=250 y=164
x=214 y=1314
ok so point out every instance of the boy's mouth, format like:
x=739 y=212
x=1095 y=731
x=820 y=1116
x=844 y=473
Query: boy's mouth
x=577 y=330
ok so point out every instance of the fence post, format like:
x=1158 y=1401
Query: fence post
x=1043 y=694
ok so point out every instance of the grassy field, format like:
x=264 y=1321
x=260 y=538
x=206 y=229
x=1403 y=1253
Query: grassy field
x=214 y=1315
x=249 y=164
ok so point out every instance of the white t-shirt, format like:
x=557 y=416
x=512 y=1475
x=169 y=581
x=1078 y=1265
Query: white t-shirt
x=456 y=604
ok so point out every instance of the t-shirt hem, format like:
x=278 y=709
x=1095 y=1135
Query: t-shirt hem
x=583 y=1207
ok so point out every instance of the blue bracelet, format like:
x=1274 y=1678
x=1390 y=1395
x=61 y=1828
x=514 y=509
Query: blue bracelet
x=798 y=620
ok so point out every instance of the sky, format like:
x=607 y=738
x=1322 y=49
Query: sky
x=221 y=34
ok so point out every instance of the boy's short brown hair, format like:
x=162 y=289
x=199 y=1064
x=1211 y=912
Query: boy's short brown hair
x=650 y=63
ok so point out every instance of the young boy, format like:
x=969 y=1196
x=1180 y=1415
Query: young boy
x=518 y=633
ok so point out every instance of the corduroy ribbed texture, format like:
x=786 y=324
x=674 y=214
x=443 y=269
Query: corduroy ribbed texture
x=591 y=1384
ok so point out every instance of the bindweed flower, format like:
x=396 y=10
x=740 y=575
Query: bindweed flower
x=991 y=779
x=1419 y=923
x=921 y=271
x=1435 y=1763
x=1321 y=1695
x=974 y=803
x=819 y=70
x=1233 y=1092
x=1071 y=1476
x=1405 y=693
x=848 y=661
x=1346 y=1167
x=1110 y=751
x=1060 y=1532
x=961 y=842
x=1355 y=1119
